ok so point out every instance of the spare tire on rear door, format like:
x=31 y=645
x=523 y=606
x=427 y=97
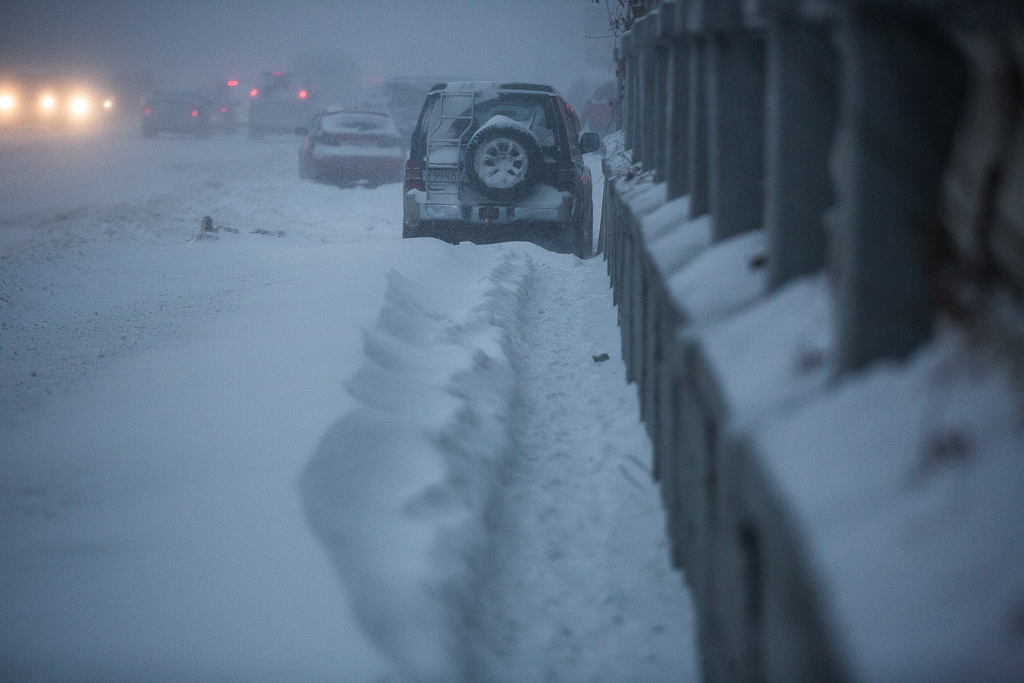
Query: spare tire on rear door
x=503 y=160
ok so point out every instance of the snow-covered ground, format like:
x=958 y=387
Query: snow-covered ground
x=302 y=448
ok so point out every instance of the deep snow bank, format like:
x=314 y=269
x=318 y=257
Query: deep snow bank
x=399 y=488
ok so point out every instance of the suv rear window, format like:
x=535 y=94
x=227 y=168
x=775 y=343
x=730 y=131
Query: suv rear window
x=533 y=111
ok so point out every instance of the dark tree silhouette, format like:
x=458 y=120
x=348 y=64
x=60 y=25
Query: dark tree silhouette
x=622 y=13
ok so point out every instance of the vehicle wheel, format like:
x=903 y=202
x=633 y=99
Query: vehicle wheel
x=503 y=161
x=409 y=231
x=304 y=173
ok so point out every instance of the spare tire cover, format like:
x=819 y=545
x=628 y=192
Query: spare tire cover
x=503 y=159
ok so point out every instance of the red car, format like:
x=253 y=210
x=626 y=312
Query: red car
x=352 y=148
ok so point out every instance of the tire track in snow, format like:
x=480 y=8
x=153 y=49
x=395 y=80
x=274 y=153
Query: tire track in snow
x=580 y=588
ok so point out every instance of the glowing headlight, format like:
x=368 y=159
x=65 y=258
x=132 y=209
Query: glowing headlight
x=79 y=106
x=47 y=103
x=6 y=103
x=107 y=104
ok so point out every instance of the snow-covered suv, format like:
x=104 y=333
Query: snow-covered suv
x=492 y=162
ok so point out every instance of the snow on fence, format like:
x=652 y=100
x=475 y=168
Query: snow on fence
x=814 y=226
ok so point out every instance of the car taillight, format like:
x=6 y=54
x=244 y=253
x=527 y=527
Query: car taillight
x=223 y=109
x=302 y=94
x=147 y=111
x=254 y=92
x=413 y=175
x=195 y=112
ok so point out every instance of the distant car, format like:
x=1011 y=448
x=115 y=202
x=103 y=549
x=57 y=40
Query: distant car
x=352 y=147
x=176 y=111
x=279 y=105
x=492 y=162
x=51 y=101
x=224 y=109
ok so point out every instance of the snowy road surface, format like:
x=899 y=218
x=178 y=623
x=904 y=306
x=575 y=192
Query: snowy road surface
x=168 y=406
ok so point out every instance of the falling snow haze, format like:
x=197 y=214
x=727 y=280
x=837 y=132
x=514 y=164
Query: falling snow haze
x=184 y=44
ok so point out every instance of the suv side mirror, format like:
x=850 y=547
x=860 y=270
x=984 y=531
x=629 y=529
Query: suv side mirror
x=590 y=142
x=302 y=130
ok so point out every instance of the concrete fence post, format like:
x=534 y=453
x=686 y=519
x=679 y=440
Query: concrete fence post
x=644 y=29
x=628 y=94
x=664 y=27
x=736 y=75
x=620 y=85
x=697 y=128
x=903 y=83
x=800 y=119
x=678 y=148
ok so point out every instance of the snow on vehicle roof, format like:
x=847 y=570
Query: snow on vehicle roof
x=492 y=87
x=355 y=121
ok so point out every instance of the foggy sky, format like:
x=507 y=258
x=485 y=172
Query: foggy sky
x=189 y=43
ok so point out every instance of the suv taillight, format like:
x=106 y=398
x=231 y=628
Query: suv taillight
x=413 y=175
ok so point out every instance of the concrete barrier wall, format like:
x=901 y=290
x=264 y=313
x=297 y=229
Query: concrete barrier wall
x=804 y=192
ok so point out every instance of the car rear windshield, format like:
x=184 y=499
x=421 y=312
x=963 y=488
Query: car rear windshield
x=532 y=111
x=354 y=122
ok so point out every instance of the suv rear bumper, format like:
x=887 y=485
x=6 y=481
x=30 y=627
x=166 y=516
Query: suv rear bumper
x=554 y=236
x=545 y=205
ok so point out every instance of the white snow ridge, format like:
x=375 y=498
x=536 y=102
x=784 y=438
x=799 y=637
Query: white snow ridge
x=400 y=488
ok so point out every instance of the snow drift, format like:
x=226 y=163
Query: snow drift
x=399 y=487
